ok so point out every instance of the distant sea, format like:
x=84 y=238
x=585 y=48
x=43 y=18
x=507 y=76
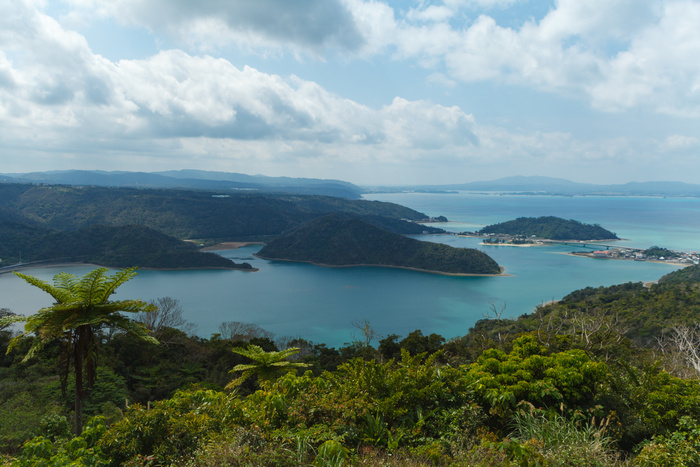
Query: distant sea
x=321 y=304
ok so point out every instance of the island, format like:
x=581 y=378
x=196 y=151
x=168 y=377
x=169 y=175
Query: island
x=548 y=228
x=336 y=240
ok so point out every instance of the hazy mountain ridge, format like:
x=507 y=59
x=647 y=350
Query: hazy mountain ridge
x=189 y=179
x=560 y=186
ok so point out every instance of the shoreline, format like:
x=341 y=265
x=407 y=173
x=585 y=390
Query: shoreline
x=586 y=255
x=229 y=246
x=145 y=268
x=441 y=273
x=524 y=245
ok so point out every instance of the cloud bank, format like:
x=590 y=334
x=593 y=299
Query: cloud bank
x=64 y=106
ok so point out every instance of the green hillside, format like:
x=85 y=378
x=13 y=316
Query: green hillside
x=121 y=246
x=550 y=227
x=183 y=214
x=338 y=241
x=689 y=274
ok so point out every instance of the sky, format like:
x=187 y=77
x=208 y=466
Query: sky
x=374 y=92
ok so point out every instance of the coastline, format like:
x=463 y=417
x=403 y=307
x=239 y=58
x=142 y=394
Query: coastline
x=20 y=267
x=441 y=273
x=229 y=246
x=64 y=264
x=526 y=245
x=586 y=255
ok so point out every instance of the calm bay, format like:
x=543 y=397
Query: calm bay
x=320 y=304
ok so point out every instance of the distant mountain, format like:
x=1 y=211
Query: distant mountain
x=559 y=186
x=341 y=241
x=193 y=179
x=551 y=228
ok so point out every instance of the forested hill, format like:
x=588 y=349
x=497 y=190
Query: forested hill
x=550 y=227
x=183 y=213
x=121 y=246
x=690 y=274
x=341 y=241
x=600 y=316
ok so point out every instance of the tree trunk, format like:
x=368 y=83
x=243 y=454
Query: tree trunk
x=78 y=362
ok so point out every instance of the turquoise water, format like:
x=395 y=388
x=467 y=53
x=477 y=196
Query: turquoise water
x=321 y=304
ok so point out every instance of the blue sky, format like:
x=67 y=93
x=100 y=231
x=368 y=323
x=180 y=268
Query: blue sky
x=368 y=91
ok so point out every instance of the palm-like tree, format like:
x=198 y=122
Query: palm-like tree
x=267 y=365
x=82 y=308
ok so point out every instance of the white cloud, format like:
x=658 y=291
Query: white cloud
x=311 y=26
x=62 y=106
x=62 y=95
x=615 y=54
x=680 y=142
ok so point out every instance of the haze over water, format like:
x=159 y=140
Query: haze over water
x=320 y=304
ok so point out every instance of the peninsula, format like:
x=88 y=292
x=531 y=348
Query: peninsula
x=548 y=228
x=112 y=246
x=336 y=240
x=122 y=227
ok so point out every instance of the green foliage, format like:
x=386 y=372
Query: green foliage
x=690 y=274
x=20 y=416
x=658 y=252
x=680 y=448
x=530 y=373
x=564 y=441
x=337 y=241
x=116 y=246
x=549 y=227
x=82 y=307
x=267 y=365
x=179 y=213
x=171 y=430
x=331 y=453
x=55 y=427
x=79 y=451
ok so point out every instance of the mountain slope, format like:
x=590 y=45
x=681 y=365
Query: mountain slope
x=183 y=213
x=337 y=241
x=122 y=246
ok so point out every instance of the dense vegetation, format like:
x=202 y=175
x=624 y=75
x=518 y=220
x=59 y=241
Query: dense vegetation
x=570 y=384
x=658 y=252
x=181 y=213
x=688 y=275
x=124 y=227
x=550 y=227
x=122 y=246
x=345 y=241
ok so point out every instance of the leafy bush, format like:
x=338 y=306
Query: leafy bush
x=680 y=448
x=172 y=429
x=530 y=373
x=78 y=451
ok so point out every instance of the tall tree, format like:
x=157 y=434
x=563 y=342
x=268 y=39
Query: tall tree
x=82 y=308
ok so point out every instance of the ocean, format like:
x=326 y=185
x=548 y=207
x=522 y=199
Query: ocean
x=321 y=304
